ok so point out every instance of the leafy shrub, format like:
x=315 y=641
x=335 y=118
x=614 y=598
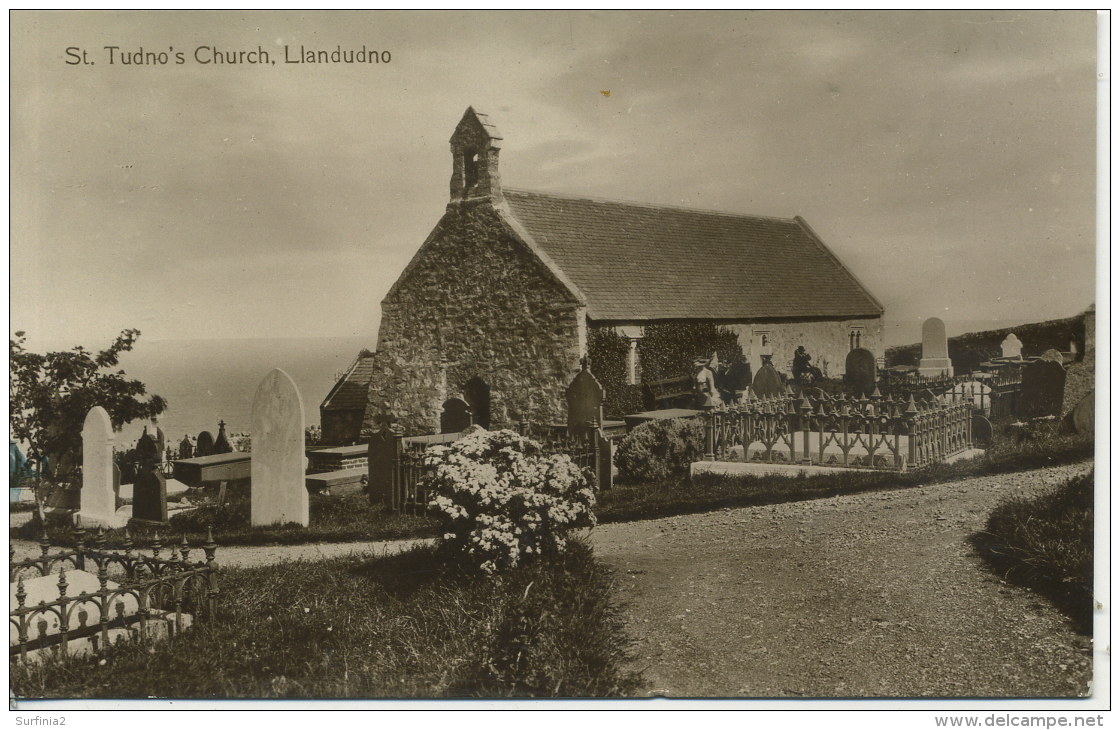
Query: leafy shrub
x=659 y=450
x=499 y=499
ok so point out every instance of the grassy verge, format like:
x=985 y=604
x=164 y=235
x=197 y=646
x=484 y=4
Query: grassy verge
x=1046 y=544
x=399 y=626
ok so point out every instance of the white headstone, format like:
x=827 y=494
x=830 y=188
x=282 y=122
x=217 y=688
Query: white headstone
x=935 y=349
x=278 y=490
x=99 y=499
x=1011 y=347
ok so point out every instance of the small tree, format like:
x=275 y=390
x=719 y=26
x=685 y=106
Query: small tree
x=51 y=394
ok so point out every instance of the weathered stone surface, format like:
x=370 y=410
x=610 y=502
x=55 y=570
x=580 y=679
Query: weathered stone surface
x=278 y=491
x=98 y=499
x=494 y=312
x=585 y=401
x=860 y=373
x=1053 y=355
x=1042 y=389
x=767 y=383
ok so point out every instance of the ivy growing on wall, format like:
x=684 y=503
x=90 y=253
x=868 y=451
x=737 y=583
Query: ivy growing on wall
x=666 y=351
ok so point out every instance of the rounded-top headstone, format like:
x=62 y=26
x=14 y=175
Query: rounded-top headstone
x=205 y=444
x=278 y=489
x=981 y=432
x=934 y=342
x=860 y=372
x=1053 y=355
x=767 y=382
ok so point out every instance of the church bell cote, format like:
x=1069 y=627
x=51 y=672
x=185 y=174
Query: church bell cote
x=474 y=152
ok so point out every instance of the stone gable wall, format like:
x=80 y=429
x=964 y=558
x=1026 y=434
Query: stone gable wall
x=479 y=298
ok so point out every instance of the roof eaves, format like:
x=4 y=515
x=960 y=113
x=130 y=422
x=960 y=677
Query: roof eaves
x=855 y=279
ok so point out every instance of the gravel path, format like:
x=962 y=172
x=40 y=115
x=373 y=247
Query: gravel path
x=857 y=596
x=871 y=595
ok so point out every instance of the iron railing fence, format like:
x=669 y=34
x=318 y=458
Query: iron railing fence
x=149 y=593
x=871 y=432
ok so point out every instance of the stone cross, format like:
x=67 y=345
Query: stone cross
x=98 y=500
x=935 y=349
x=1011 y=347
x=278 y=491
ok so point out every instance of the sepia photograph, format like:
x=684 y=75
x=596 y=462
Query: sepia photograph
x=670 y=359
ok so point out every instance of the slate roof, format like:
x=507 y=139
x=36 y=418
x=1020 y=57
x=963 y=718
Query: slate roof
x=351 y=392
x=637 y=262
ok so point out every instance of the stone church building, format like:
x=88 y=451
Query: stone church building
x=496 y=306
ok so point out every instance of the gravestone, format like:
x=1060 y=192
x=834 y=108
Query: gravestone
x=278 y=490
x=1044 y=383
x=767 y=382
x=585 y=400
x=1054 y=356
x=149 y=491
x=98 y=506
x=186 y=448
x=221 y=444
x=455 y=417
x=204 y=446
x=1011 y=347
x=935 y=349
x=981 y=432
x=1083 y=415
x=860 y=373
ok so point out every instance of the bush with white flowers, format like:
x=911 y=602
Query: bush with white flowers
x=500 y=500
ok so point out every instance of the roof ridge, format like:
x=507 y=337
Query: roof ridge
x=639 y=204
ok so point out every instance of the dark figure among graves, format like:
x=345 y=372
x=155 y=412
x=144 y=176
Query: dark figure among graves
x=801 y=366
x=732 y=380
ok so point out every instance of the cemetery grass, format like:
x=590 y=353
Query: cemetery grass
x=407 y=625
x=1015 y=449
x=1046 y=544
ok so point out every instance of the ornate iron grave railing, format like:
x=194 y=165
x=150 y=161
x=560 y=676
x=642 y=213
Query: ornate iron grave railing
x=872 y=432
x=148 y=596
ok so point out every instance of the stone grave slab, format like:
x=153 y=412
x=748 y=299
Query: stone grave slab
x=935 y=349
x=278 y=491
x=98 y=505
x=860 y=372
x=1043 y=387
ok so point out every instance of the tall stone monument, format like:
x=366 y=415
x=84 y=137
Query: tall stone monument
x=278 y=491
x=935 y=349
x=98 y=501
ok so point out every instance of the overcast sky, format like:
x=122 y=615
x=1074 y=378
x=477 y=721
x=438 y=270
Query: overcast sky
x=948 y=157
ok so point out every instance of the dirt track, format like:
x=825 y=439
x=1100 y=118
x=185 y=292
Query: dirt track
x=866 y=595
